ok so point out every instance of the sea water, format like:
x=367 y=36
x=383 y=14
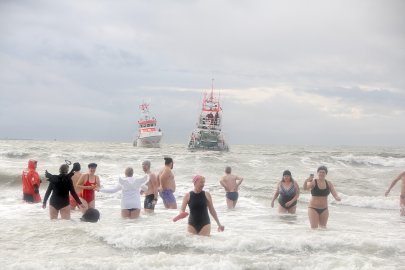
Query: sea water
x=364 y=230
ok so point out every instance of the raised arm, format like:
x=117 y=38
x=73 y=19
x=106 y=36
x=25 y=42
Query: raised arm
x=394 y=182
x=309 y=183
x=212 y=211
x=333 y=191
x=276 y=193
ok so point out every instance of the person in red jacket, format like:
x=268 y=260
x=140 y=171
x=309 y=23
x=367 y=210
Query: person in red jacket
x=31 y=182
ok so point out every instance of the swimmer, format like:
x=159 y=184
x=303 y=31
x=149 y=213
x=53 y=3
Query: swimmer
x=151 y=194
x=131 y=197
x=231 y=185
x=289 y=192
x=401 y=177
x=318 y=212
x=199 y=202
x=60 y=186
x=75 y=178
x=88 y=182
x=167 y=184
x=31 y=182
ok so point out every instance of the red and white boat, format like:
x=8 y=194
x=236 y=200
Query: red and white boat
x=149 y=135
x=208 y=133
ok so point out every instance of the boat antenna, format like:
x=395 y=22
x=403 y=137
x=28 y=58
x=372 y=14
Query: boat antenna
x=212 y=88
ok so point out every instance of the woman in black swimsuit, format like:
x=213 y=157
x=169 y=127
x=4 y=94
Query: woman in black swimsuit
x=60 y=185
x=199 y=202
x=318 y=212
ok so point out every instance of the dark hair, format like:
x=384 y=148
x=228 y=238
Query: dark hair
x=322 y=168
x=91 y=215
x=92 y=165
x=168 y=160
x=287 y=172
x=228 y=169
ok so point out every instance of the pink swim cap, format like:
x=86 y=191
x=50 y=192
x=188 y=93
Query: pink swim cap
x=195 y=178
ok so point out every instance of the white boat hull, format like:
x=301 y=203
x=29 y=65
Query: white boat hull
x=148 y=141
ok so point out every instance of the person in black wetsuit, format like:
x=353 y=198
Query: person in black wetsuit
x=60 y=185
x=199 y=202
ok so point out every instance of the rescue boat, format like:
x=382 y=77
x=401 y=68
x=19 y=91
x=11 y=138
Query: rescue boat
x=149 y=135
x=208 y=133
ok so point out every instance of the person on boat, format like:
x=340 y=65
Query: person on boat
x=30 y=183
x=199 y=203
x=318 y=211
x=167 y=184
x=131 y=193
x=60 y=186
x=287 y=191
x=401 y=177
x=89 y=182
x=75 y=178
x=151 y=194
x=231 y=185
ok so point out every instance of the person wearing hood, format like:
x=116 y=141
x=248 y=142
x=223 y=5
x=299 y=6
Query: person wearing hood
x=31 y=182
x=131 y=193
x=60 y=186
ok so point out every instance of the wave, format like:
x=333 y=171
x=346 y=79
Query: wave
x=15 y=154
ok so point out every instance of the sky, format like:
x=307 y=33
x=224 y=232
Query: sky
x=288 y=72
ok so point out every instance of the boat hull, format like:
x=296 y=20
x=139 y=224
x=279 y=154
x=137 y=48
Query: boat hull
x=148 y=141
x=205 y=140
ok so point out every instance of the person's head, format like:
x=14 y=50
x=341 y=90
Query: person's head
x=146 y=165
x=92 y=167
x=91 y=215
x=228 y=169
x=198 y=181
x=76 y=167
x=32 y=164
x=63 y=169
x=287 y=176
x=129 y=172
x=322 y=171
x=169 y=162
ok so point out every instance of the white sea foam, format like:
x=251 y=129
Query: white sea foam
x=364 y=231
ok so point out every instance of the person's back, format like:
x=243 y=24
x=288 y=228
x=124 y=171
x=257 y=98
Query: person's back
x=231 y=186
x=31 y=181
x=168 y=185
x=167 y=179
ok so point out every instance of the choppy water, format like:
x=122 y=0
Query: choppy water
x=364 y=231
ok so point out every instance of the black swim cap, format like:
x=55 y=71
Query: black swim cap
x=91 y=215
x=92 y=165
x=287 y=172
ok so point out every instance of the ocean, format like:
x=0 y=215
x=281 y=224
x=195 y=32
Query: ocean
x=365 y=230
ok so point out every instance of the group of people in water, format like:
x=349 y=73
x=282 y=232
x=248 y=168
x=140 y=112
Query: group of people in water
x=74 y=189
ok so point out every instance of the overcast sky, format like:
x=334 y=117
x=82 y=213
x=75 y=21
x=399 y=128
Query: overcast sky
x=289 y=72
